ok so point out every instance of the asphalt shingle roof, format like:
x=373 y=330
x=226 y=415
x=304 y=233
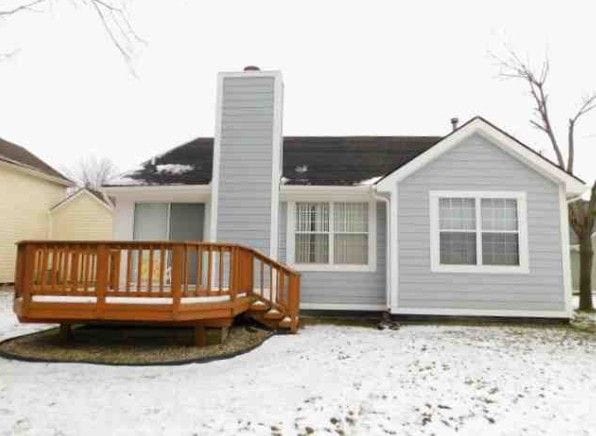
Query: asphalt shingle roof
x=18 y=155
x=307 y=160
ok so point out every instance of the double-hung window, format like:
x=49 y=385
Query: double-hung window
x=478 y=232
x=331 y=235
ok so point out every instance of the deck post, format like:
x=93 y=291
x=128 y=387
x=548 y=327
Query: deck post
x=66 y=332
x=26 y=285
x=200 y=335
x=19 y=270
x=294 y=303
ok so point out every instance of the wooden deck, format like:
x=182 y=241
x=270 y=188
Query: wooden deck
x=175 y=283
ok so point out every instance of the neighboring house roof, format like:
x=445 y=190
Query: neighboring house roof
x=307 y=160
x=92 y=193
x=500 y=138
x=17 y=155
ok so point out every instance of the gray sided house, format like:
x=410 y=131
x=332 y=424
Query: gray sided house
x=473 y=223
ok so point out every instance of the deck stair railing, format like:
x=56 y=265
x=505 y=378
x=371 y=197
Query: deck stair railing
x=172 y=273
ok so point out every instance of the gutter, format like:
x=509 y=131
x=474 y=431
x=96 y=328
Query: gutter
x=388 y=261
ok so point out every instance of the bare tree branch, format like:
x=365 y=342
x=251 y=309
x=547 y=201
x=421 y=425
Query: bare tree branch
x=92 y=172
x=8 y=55
x=23 y=7
x=582 y=214
x=114 y=19
x=104 y=21
x=588 y=105
x=513 y=67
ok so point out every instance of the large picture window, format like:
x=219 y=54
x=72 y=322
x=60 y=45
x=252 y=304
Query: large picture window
x=331 y=235
x=478 y=232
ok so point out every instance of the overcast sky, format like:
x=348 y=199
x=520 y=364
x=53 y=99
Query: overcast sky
x=368 y=68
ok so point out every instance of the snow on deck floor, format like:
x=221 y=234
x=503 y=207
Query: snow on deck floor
x=418 y=380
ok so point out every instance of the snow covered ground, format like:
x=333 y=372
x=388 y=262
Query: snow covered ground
x=421 y=379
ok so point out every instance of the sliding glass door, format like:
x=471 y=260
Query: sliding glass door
x=170 y=222
x=186 y=221
x=151 y=222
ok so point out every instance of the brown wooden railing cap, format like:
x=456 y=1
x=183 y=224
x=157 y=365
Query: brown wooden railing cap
x=263 y=257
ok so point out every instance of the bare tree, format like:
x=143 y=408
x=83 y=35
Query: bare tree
x=92 y=172
x=582 y=214
x=112 y=15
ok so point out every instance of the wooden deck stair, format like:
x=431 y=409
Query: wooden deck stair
x=172 y=283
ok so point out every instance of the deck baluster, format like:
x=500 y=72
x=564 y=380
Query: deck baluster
x=82 y=269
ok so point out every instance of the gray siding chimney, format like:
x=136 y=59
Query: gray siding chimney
x=247 y=159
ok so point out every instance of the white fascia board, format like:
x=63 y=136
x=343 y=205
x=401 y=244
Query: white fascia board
x=500 y=139
x=175 y=193
x=296 y=192
x=214 y=185
x=277 y=163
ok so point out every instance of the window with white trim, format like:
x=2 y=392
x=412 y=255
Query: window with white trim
x=312 y=233
x=478 y=231
x=332 y=234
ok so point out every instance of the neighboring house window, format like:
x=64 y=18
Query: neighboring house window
x=331 y=235
x=478 y=232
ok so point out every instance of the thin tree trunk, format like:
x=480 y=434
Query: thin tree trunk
x=585 y=272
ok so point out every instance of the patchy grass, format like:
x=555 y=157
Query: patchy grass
x=131 y=345
x=348 y=319
x=585 y=321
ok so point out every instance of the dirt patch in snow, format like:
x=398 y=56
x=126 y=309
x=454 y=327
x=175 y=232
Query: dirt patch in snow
x=585 y=321
x=131 y=345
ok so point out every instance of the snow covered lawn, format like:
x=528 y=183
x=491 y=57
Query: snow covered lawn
x=421 y=379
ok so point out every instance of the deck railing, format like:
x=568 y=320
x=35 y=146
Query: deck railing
x=181 y=271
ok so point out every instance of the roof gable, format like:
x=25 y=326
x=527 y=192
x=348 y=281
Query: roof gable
x=499 y=138
x=96 y=196
x=20 y=156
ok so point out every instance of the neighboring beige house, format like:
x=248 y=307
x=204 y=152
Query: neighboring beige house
x=31 y=192
x=84 y=215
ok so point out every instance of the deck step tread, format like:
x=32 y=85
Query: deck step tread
x=273 y=314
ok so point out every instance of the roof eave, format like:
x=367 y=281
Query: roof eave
x=36 y=173
x=573 y=185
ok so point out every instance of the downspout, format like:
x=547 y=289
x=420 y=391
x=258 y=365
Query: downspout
x=387 y=245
